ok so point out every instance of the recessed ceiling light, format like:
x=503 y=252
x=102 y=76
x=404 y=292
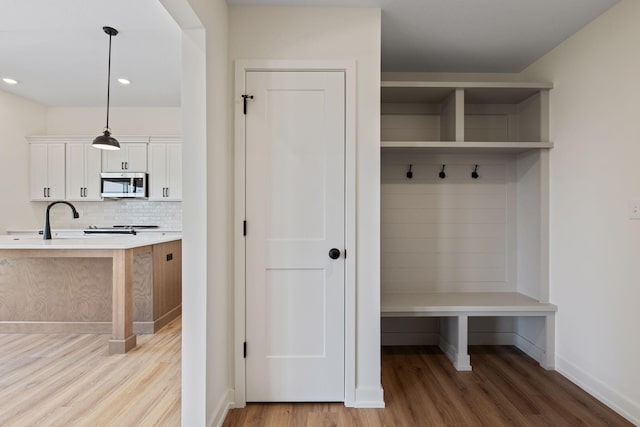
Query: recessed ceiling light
x=10 y=81
x=124 y=81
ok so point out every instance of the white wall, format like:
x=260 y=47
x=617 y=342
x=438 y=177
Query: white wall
x=123 y=121
x=335 y=34
x=595 y=248
x=207 y=364
x=18 y=118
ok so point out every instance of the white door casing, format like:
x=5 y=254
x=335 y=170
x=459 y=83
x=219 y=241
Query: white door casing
x=295 y=213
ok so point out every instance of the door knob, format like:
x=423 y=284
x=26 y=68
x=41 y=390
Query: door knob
x=334 y=253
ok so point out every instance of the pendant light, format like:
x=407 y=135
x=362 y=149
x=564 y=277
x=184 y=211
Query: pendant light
x=106 y=141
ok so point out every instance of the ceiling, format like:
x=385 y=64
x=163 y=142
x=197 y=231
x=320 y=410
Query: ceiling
x=58 y=51
x=467 y=35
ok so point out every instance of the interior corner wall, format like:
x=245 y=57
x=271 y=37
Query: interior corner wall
x=19 y=117
x=594 y=173
x=302 y=33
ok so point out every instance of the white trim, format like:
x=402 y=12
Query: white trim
x=222 y=409
x=239 y=241
x=468 y=85
x=349 y=68
x=369 y=398
x=532 y=350
x=615 y=400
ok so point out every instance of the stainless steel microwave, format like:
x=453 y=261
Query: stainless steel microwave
x=124 y=184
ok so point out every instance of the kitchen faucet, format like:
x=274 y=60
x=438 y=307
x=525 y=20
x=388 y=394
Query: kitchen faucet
x=46 y=233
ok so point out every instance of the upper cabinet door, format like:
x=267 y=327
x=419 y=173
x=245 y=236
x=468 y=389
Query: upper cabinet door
x=76 y=178
x=157 y=171
x=56 y=171
x=39 y=169
x=165 y=171
x=136 y=158
x=92 y=169
x=114 y=160
x=131 y=157
x=174 y=172
x=47 y=170
x=83 y=172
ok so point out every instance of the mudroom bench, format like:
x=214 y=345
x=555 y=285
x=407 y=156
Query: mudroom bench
x=455 y=308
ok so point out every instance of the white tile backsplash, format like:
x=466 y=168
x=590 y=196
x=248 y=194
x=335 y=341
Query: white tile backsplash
x=119 y=212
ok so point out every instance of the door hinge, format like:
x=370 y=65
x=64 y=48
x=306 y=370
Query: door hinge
x=244 y=228
x=244 y=350
x=244 y=103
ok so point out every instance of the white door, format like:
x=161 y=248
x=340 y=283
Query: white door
x=295 y=168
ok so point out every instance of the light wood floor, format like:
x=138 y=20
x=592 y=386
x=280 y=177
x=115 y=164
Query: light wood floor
x=71 y=380
x=506 y=388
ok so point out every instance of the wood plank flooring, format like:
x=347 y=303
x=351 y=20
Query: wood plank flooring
x=71 y=380
x=505 y=388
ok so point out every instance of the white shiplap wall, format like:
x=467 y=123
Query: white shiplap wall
x=452 y=234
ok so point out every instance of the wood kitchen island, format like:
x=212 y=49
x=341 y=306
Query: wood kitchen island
x=128 y=284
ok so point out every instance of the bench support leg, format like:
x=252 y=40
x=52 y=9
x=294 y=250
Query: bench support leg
x=549 y=358
x=454 y=333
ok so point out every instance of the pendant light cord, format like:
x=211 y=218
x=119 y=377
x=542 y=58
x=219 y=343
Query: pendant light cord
x=109 y=83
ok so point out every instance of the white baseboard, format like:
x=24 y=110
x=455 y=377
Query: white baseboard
x=369 y=398
x=222 y=409
x=533 y=351
x=601 y=391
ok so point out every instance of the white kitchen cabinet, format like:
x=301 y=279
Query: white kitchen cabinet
x=131 y=157
x=84 y=164
x=165 y=171
x=47 y=170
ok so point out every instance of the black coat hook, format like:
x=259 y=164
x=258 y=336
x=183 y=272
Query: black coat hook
x=442 y=175
x=474 y=174
x=409 y=173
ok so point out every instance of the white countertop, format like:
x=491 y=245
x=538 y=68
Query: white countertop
x=85 y=242
x=80 y=231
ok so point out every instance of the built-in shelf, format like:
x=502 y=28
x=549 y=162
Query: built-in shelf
x=466 y=146
x=415 y=111
x=464 y=216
